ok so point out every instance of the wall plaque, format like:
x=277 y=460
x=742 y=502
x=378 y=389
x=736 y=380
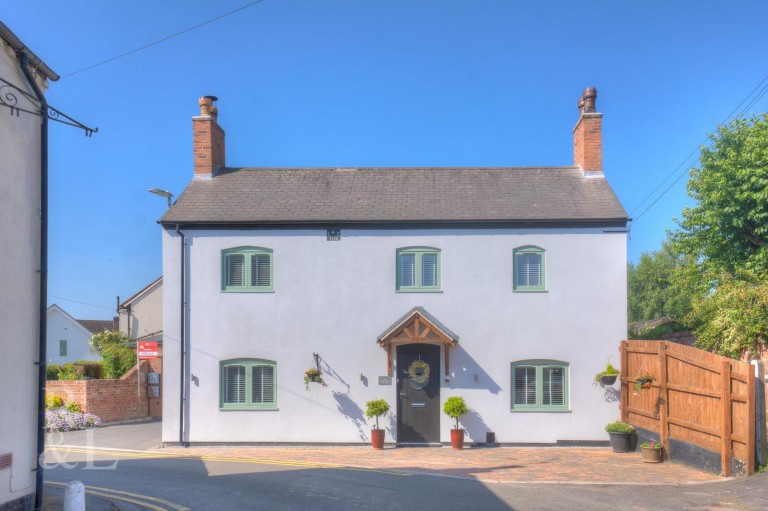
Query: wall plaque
x=333 y=234
x=385 y=380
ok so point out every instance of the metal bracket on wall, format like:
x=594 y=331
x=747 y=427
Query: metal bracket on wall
x=317 y=361
x=19 y=101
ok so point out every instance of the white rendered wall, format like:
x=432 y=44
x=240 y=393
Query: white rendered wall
x=19 y=282
x=146 y=316
x=61 y=327
x=336 y=297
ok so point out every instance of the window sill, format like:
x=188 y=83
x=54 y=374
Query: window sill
x=539 y=410
x=530 y=291
x=247 y=290
x=418 y=290
x=248 y=409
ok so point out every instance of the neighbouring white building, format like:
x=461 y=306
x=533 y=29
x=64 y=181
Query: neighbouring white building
x=20 y=235
x=67 y=337
x=506 y=286
x=141 y=315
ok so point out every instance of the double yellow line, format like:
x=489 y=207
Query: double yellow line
x=145 y=501
x=253 y=461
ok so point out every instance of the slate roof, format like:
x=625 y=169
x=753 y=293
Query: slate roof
x=396 y=195
x=96 y=326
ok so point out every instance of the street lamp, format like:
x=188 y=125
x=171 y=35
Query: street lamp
x=162 y=193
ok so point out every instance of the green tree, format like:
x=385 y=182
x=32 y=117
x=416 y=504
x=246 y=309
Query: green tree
x=113 y=348
x=727 y=229
x=654 y=287
x=733 y=317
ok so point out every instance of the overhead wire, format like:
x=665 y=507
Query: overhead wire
x=762 y=89
x=149 y=45
x=81 y=303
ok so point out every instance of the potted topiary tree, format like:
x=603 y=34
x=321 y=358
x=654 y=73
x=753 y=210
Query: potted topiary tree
x=376 y=408
x=454 y=408
x=620 y=434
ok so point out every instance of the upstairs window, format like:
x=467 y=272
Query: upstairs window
x=539 y=385
x=248 y=384
x=528 y=266
x=247 y=269
x=418 y=269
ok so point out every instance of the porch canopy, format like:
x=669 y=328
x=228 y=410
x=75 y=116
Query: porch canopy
x=417 y=326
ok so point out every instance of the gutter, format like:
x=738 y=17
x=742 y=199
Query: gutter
x=43 y=310
x=32 y=59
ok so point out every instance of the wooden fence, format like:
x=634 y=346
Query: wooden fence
x=697 y=397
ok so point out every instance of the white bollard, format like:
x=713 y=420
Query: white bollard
x=74 y=496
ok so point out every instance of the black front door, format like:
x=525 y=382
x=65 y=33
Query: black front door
x=418 y=387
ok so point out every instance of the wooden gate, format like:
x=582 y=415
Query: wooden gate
x=696 y=397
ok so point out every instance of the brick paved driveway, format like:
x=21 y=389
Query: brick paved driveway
x=505 y=465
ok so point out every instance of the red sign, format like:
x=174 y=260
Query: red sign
x=147 y=350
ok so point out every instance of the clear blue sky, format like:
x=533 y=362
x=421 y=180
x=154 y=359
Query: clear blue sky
x=364 y=83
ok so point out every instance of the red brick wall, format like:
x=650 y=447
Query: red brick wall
x=114 y=400
x=207 y=145
x=588 y=142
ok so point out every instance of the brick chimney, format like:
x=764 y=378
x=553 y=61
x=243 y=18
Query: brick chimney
x=588 y=135
x=207 y=139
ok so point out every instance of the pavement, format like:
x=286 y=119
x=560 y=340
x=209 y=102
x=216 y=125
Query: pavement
x=570 y=465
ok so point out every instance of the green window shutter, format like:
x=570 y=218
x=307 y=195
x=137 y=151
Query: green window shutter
x=525 y=385
x=407 y=270
x=540 y=386
x=418 y=269
x=528 y=269
x=429 y=270
x=553 y=386
x=261 y=270
x=248 y=384
x=62 y=348
x=234 y=384
x=263 y=384
x=247 y=269
x=235 y=270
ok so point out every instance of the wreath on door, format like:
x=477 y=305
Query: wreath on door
x=418 y=372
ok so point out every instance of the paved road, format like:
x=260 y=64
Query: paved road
x=169 y=483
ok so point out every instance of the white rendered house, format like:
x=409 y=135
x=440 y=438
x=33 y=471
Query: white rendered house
x=67 y=338
x=506 y=286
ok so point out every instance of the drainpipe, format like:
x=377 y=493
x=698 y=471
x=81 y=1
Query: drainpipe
x=183 y=377
x=43 y=324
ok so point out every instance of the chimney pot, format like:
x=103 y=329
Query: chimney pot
x=207 y=104
x=589 y=97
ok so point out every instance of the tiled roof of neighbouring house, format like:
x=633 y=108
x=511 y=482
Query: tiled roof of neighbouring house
x=397 y=195
x=96 y=326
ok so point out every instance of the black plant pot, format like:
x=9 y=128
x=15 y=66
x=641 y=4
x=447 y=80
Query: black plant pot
x=620 y=442
x=609 y=379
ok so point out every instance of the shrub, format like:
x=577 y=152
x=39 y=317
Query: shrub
x=73 y=407
x=376 y=408
x=118 y=360
x=66 y=420
x=91 y=368
x=52 y=372
x=455 y=407
x=53 y=401
x=619 y=427
x=71 y=372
